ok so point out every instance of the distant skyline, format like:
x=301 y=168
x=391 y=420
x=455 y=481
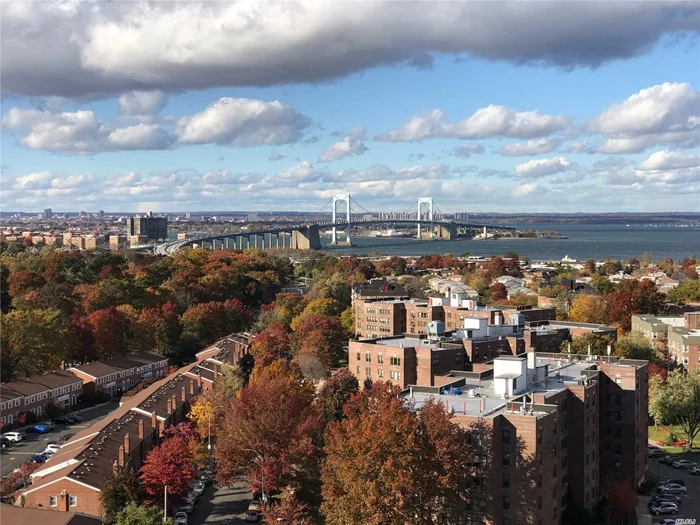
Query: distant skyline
x=525 y=107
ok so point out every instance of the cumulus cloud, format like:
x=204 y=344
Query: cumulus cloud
x=80 y=48
x=670 y=160
x=242 y=122
x=578 y=147
x=668 y=113
x=543 y=167
x=227 y=122
x=531 y=147
x=351 y=144
x=274 y=156
x=491 y=121
x=467 y=151
x=142 y=103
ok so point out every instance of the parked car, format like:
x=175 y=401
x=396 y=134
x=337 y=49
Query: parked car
x=672 y=488
x=664 y=507
x=667 y=460
x=4 y=442
x=14 y=437
x=47 y=453
x=664 y=497
x=49 y=424
x=667 y=521
x=682 y=464
x=694 y=470
x=75 y=418
x=198 y=488
x=252 y=516
x=676 y=481
x=61 y=420
x=181 y=518
x=655 y=452
x=205 y=479
x=187 y=507
x=38 y=458
x=65 y=438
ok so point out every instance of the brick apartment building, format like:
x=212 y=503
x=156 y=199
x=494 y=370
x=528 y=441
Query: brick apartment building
x=118 y=375
x=379 y=288
x=679 y=336
x=539 y=408
x=36 y=393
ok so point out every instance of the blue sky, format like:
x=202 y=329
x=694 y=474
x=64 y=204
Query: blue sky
x=578 y=115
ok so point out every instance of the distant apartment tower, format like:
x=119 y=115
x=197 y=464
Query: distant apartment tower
x=149 y=226
x=48 y=213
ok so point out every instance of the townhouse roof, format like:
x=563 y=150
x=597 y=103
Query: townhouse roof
x=36 y=384
x=32 y=516
x=104 y=368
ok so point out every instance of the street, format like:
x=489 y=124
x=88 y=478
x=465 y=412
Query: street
x=690 y=504
x=222 y=505
x=15 y=455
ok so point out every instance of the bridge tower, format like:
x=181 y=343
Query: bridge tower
x=425 y=206
x=339 y=199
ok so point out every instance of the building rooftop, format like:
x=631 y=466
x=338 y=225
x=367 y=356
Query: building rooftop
x=30 y=516
x=105 y=368
x=36 y=384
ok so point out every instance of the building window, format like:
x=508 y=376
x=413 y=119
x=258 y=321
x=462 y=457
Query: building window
x=506 y=459
x=380 y=359
x=368 y=371
x=506 y=436
x=506 y=481
x=73 y=501
x=395 y=375
x=358 y=356
x=395 y=361
x=380 y=373
x=358 y=370
x=53 y=501
x=506 y=502
x=368 y=357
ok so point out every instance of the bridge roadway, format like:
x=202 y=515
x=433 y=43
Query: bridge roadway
x=170 y=248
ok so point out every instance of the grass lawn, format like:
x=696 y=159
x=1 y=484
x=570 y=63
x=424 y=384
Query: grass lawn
x=660 y=433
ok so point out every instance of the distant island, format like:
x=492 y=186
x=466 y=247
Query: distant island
x=520 y=234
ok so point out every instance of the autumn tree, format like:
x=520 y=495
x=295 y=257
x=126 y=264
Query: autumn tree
x=171 y=463
x=213 y=320
x=335 y=393
x=323 y=306
x=288 y=510
x=632 y=297
x=654 y=371
x=579 y=345
x=588 y=309
x=392 y=266
x=267 y=433
x=635 y=346
x=320 y=337
x=33 y=342
x=498 y=292
x=347 y=321
x=676 y=401
x=271 y=344
x=120 y=489
x=24 y=281
x=109 y=330
x=620 y=498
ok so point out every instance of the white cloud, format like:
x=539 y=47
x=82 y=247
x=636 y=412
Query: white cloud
x=242 y=122
x=531 y=147
x=663 y=114
x=577 y=147
x=275 y=156
x=491 y=121
x=227 y=122
x=351 y=144
x=670 y=160
x=142 y=103
x=78 y=48
x=467 y=151
x=543 y=167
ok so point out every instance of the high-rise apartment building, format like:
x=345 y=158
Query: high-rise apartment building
x=152 y=227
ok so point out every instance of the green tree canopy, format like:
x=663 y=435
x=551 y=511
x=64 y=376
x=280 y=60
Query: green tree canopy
x=676 y=401
x=141 y=515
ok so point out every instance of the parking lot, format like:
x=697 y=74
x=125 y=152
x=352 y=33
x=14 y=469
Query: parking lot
x=13 y=456
x=690 y=504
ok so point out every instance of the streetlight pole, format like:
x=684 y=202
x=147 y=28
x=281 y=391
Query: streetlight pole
x=209 y=431
x=165 y=504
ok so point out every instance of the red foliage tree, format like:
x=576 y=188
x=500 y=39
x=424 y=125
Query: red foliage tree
x=621 y=499
x=171 y=463
x=271 y=344
x=498 y=292
x=267 y=434
x=632 y=297
x=335 y=393
x=110 y=331
x=655 y=370
x=321 y=336
x=24 y=281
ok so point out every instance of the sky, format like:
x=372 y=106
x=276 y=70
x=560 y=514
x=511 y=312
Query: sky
x=527 y=107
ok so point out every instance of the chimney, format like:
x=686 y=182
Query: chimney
x=154 y=420
x=127 y=443
x=183 y=394
x=199 y=380
x=170 y=405
x=141 y=429
x=174 y=402
x=65 y=501
x=121 y=455
x=191 y=388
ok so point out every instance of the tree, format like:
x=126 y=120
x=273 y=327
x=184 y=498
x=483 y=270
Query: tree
x=588 y=309
x=323 y=306
x=654 y=371
x=267 y=432
x=320 y=336
x=24 y=281
x=590 y=266
x=213 y=320
x=602 y=284
x=579 y=345
x=635 y=346
x=347 y=321
x=387 y=464
x=393 y=266
x=676 y=401
x=271 y=344
x=688 y=290
x=109 y=329
x=33 y=342
x=498 y=292
x=289 y=510
x=171 y=463
x=119 y=490
x=632 y=297
x=134 y=514
x=335 y=393
x=621 y=499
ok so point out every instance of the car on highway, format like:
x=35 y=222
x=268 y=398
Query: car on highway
x=181 y=518
x=38 y=429
x=37 y=458
x=664 y=507
x=672 y=488
x=15 y=437
x=682 y=464
x=676 y=481
x=252 y=516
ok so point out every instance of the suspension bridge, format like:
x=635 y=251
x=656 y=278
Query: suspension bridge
x=340 y=215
